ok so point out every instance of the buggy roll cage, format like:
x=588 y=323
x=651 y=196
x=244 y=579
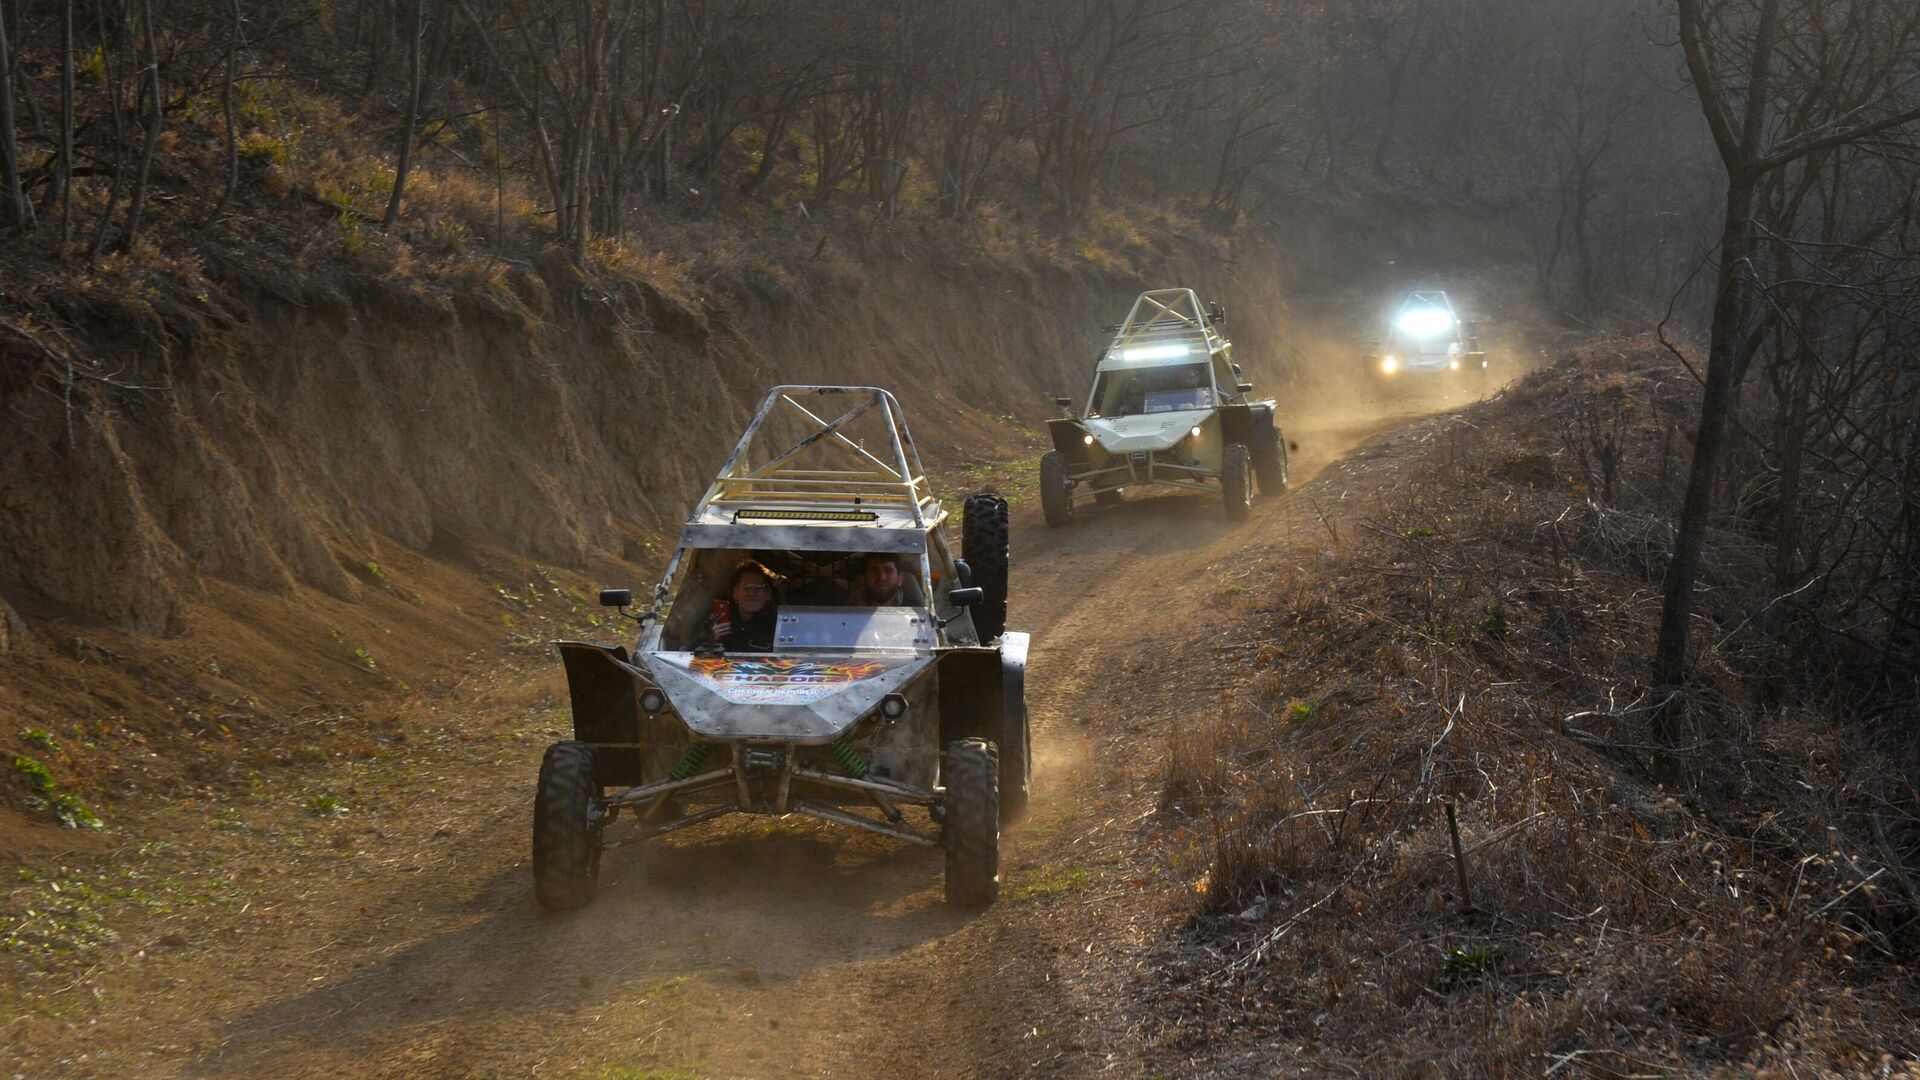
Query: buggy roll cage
x=1167 y=316
x=785 y=491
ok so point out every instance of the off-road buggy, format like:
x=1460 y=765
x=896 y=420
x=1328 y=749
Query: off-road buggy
x=1427 y=340
x=1167 y=407
x=854 y=708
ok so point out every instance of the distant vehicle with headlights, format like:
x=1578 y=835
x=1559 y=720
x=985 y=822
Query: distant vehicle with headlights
x=1427 y=340
x=1168 y=407
x=852 y=706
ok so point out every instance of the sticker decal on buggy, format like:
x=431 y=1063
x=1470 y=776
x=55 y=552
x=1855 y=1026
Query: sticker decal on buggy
x=779 y=680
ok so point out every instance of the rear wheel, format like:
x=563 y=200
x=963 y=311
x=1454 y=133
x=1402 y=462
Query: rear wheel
x=983 y=543
x=566 y=834
x=972 y=827
x=1056 y=502
x=1236 y=482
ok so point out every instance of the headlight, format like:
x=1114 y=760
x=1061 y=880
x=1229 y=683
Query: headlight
x=1195 y=432
x=652 y=700
x=1389 y=364
x=1423 y=322
x=1088 y=439
x=893 y=706
x=1454 y=364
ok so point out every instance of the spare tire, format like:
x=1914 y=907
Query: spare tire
x=983 y=543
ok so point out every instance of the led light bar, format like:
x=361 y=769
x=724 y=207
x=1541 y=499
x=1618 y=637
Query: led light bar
x=1154 y=352
x=804 y=515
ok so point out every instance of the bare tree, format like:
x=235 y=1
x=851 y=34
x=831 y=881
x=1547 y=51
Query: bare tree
x=416 y=29
x=1850 y=74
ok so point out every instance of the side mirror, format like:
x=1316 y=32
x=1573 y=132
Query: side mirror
x=963 y=572
x=1244 y=388
x=616 y=597
x=966 y=597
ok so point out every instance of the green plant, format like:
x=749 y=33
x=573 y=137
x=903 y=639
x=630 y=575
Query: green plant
x=365 y=656
x=325 y=806
x=1422 y=532
x=39 y=737
x=36 y=774
x=74 y=814
x=1494 y=623
x=1463 y=960
x=1299 y=712
x=258 y=146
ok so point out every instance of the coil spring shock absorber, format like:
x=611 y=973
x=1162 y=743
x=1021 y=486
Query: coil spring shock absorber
x=849 y=759
x=691 y=760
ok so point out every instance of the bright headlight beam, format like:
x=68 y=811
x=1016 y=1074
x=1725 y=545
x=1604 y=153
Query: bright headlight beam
x=1195 y=432
x=1423 y=322
x=1153 y=352
x=1088 y=439
x=1389 y=364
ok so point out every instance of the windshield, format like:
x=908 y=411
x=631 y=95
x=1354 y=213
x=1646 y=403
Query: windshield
x=1153 y=390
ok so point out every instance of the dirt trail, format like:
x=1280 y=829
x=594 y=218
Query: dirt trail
x=757 y=949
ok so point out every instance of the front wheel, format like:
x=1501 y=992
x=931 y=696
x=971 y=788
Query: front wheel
x=972 y=826
x=1236 y=482
x=1056 y=501
x=566 y=834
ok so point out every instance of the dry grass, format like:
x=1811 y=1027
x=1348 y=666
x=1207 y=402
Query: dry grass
x=1738 y=902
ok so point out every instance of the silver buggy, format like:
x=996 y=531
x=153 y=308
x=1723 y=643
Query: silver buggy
x=770 y=679
x=1168 y=407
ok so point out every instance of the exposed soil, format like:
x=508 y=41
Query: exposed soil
x=264 y=937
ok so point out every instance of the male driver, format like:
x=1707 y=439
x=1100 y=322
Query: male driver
x=1194 y=381
x=883 y=585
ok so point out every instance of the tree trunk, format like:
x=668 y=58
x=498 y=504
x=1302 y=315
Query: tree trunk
x=17 y=210
x=63 y=182
x=1723 y=359
x=415 y=30
x=156 y=104
x=226 y=105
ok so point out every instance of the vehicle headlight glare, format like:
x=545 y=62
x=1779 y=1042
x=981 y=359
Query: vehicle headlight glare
x=1389 y=364
x=652 y=700
x=1088 y=439
x=1423 y=322
x=1453 y=365
x=1195 y=432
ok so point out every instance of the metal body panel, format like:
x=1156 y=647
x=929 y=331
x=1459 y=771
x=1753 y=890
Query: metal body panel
x=808 y=699
x=880 y=629
x=1150 y=431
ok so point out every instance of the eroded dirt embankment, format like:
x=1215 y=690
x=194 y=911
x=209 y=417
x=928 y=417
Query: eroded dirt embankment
x=232 y=521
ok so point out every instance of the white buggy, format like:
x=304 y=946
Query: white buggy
x=1168 y=406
